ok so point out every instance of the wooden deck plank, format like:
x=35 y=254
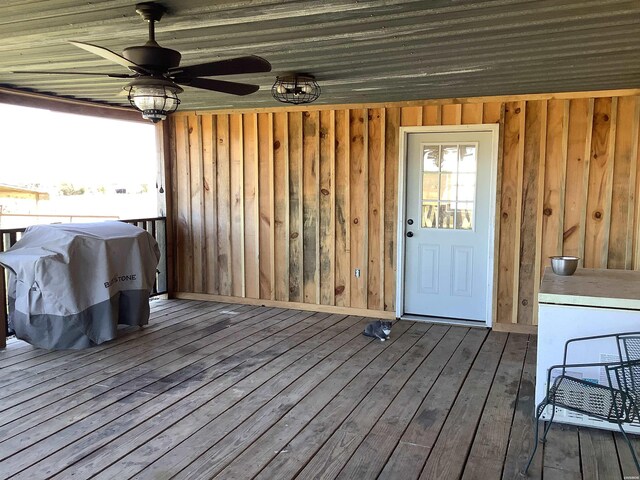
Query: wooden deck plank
x=25 y=351
x=54 y=358
x=117 y=357
x=85 y=402
x=450 y=450
x=521 y=436
x=370 y=457
x=275 y=440
x=414 y=447
x=233 y=392
x=250 y=394
x=130 y=417
x=624 y=455
x=221 y=453
x=308 y=441
x=331 y=457
x=597 y=447
x=490 y=443
x=562 y=453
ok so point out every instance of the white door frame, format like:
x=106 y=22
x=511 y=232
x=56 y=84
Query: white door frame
x=494 y=129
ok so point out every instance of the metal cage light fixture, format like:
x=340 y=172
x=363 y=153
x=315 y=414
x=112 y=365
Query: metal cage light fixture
x=296 y=89
x=155 y=97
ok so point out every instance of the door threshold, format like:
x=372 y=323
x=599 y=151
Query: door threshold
x=443 y=321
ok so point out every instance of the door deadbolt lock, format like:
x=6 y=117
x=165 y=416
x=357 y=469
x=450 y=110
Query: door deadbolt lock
x=410 y=221
x=409 y=234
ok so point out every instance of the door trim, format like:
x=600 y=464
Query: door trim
x=494 y=129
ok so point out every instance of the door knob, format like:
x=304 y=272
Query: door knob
x=409 y=234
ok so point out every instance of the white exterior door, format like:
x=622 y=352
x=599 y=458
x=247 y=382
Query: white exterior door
x=447 y=224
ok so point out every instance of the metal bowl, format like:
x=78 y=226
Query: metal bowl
x=564 y=265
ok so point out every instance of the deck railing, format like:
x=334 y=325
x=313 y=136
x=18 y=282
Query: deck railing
x=155 y=226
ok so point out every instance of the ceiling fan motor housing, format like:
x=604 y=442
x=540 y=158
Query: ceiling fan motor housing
x=153 y=57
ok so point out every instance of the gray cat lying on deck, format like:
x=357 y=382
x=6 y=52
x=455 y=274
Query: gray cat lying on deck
x=378 y=329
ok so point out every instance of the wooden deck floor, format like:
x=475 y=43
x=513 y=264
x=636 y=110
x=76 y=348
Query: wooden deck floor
x=212 y=390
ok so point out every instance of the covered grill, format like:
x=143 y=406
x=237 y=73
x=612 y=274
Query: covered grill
x=70 y=285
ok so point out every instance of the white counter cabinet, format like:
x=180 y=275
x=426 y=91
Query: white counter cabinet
x=590 y=302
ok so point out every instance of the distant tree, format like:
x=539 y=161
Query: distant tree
x=67 y=189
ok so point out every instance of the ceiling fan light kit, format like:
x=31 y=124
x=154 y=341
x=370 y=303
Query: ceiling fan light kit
x=154 y=97
x=296 y=89
x=156 y=73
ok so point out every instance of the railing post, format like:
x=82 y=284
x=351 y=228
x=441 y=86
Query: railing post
x=161 y=238
x=3 y=299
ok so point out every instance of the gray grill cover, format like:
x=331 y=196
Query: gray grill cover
x=70 y=285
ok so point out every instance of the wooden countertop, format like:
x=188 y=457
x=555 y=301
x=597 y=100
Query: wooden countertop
x=592 y=287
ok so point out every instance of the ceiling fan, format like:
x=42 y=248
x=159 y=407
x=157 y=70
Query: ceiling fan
x=156 y=73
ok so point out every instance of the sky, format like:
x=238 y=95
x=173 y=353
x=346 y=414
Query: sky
x=45 y=147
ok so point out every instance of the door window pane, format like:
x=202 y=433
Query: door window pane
x=468 y=161
x=466 y=187
x=429 y=215
x=449 y=158
x=464 y=216
x=449 y=186
x=431 y=158
x=430 y=186
x=446 y=216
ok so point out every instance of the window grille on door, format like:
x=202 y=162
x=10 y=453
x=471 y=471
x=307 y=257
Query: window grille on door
x=449 y=185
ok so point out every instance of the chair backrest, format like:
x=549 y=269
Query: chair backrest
x=627 y=377
x=629 y=347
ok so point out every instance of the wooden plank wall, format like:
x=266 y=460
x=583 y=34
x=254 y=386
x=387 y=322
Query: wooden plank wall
x=285 y=205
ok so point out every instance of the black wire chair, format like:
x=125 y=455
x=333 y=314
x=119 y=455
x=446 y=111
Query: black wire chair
x=616 y=402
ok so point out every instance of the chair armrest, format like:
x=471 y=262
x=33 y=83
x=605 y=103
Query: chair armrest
x=593 y=337
x=564 y=366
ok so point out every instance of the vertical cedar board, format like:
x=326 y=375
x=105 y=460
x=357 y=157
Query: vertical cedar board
x=634 y=195
x=183 y=205
x=600 y=184
x=295 y=208
x=471 y=114
x=575 y=195
x=327 y=207
x=358 y=120
x=237 y=204
x=281 y=207
x=224 y=205
x=391 y=133
x=619 y=252
x=170 y=182
x=310 y=205
x=491 y=112
x=251 y=205
x=411 y=116
x=431 y=115
x=210 y=212
x=375 y=281
x=343 y=211
x=508 y=212
x=266 y=216
x=529 y=215
x=197 y=202
x=452 y=114
x=554 y=179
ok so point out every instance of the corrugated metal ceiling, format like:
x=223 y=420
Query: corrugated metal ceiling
x=359 y=51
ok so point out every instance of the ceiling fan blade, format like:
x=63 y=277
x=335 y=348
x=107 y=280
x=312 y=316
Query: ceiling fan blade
x=109 y=55
x=112 y=75
x=232 y=66
x=218 y=85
